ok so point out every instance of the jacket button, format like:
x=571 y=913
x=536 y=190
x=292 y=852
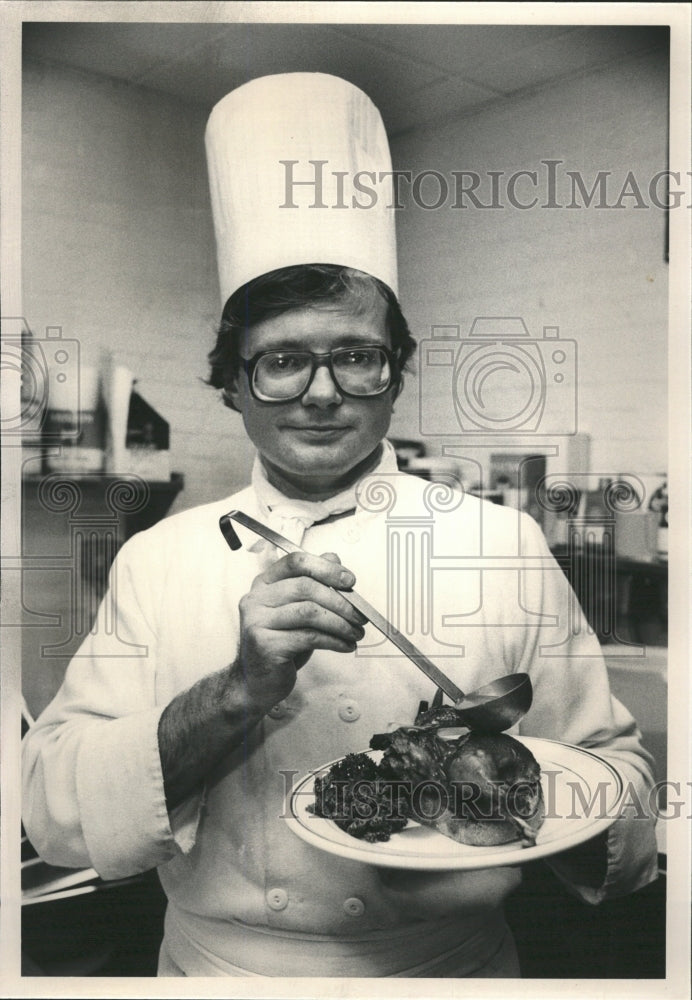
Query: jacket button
x=277 y=899
x=278 y=711
x=349 y=711
x=354 y=907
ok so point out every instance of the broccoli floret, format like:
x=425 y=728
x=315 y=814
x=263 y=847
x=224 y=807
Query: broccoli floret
x=360 y=799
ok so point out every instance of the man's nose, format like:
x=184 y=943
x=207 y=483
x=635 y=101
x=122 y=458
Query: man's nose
x=322 y=391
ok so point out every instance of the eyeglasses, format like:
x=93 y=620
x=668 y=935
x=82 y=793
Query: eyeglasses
x=281 y=376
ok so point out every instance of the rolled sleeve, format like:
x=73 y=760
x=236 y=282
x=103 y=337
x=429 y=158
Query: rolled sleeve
x=125 y=821
x=93 y=785
x=617 y=862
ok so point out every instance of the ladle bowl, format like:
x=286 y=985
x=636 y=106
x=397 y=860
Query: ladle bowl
x=497 y=706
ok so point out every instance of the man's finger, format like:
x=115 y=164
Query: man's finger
x=298 y=644
x=315 y=617
x=303 y=588
x=326 y=571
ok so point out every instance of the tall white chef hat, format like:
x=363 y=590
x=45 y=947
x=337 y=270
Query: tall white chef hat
x=262 y=142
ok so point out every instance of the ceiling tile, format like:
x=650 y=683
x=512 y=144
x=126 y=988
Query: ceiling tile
x=570 y=52
x=442 y=100
x=122 y=50
x=239 y=53
x=413 y=73
x=454 y=48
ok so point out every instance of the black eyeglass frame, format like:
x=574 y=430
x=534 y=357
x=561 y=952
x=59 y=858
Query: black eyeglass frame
x=319 y=360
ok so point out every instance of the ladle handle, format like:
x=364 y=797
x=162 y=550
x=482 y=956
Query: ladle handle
x=403 y=644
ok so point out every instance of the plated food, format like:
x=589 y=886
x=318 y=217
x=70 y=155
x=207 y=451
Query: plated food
x=581 y=793
x=480 y=789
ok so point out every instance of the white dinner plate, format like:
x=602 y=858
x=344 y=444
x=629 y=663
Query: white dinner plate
x=581 y=790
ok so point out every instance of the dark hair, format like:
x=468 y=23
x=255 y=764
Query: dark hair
x=277 y=292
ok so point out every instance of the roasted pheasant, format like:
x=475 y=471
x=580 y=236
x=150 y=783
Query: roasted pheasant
x=480 y=788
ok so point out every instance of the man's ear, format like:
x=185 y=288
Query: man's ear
x=231 y=391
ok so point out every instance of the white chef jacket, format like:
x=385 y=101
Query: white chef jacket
x=473 y=584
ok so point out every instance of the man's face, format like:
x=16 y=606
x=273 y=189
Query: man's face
x=315 y=444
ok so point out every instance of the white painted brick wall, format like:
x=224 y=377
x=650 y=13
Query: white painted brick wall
x=597 y=274
x=118 y=249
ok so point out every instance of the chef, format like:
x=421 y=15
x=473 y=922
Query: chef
x=179 y=726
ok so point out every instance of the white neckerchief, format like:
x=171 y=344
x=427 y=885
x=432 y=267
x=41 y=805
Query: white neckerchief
x=291 y=517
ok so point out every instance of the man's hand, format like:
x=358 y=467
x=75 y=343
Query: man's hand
x=290 y=611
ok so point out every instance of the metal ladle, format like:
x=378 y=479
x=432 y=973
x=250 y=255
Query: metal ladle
x=492 y=708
